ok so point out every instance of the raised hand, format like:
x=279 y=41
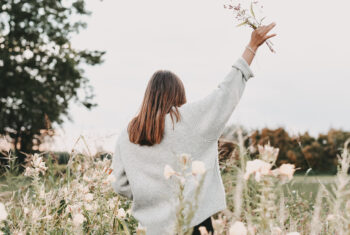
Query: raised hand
x=258 y=37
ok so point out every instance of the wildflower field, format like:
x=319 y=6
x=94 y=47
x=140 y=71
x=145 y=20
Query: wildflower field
x=77 y=198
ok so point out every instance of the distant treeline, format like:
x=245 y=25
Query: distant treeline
x=303 y=150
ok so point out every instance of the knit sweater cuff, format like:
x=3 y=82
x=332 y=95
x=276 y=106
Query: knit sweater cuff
x=242 y=65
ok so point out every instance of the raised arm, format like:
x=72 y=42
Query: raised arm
x=209 y=115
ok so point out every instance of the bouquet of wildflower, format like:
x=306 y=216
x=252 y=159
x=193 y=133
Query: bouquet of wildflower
x=247 y=17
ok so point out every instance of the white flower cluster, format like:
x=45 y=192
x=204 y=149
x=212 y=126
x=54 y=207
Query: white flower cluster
x=262 y=167
x=81 y=197
x=84 y=196
x=37 y=165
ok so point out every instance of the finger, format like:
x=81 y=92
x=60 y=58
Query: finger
x=262 y=27
x=269 y=27
x=269 y=36
x=261 y=31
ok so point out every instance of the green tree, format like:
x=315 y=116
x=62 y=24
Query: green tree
x=40 y=72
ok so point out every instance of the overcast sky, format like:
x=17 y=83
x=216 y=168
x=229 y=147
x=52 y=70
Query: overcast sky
x=303 y=87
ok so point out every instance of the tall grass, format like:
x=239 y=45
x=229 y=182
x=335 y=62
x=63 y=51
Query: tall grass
x=270 y=206
x=79 y=199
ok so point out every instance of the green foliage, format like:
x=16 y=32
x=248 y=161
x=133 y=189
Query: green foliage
x=40 y=72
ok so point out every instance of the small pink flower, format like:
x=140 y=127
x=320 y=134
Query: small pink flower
x=238 y=7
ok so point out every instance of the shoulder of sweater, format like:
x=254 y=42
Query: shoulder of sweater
x=121 y=136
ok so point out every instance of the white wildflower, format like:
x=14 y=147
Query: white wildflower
x=37 y=166
x=93 y=206
x=84 y=189
x=121 y=212
x=42 y=193
x=268 y=153
x=111 y=178
x=78 y=167
x=18 y=233
x=78 y=219
x=331 y=217
x=87 y=179
x=203 y=230
x=3 y=212
x=276 y=231
x=287 y=170
x=88 y=207
x=111 y=203
x=89 y=197
x=168 y=171
x=252 y=149
x=35 y=214
x=4 y=143
x=238 y=228
x=257 y=167
x=251 y=230
x=198 y=167
x=30 y=172
x=38 y=163
x=25 y=210
x=48 y=217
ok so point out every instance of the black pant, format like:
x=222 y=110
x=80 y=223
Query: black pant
x=207 y=224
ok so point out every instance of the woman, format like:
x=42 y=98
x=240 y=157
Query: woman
x=153 y=139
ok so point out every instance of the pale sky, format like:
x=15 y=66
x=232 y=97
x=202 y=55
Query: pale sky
x=303 y=87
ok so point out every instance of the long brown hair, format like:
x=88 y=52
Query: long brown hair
x=164 y=91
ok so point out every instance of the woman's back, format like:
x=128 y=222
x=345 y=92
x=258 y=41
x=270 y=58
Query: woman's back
x=139 y=169
x=154 y=196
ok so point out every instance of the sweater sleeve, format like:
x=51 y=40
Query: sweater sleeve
x=209 y=115
x=121 y=184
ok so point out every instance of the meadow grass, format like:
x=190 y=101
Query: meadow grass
x=77 y=198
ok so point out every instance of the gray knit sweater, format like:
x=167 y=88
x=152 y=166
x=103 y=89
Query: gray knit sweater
x=139 y=170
